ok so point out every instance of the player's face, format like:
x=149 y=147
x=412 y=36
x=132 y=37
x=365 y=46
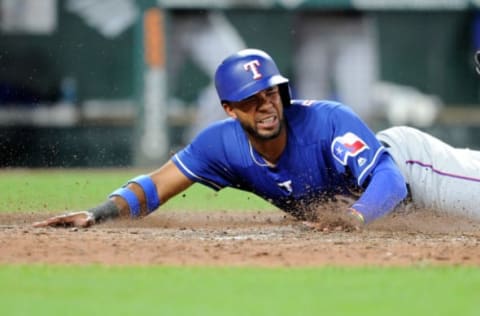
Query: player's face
x=261 y=115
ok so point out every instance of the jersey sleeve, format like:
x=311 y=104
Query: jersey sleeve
x=204 y=160
x=386 y=189
x=353 y=145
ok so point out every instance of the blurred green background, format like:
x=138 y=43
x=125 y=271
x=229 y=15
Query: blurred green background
x=427 y=45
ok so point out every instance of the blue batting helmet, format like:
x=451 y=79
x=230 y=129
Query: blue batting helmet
x=246 y=73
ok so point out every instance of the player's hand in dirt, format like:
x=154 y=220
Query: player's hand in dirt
x=74 y=219
x=347 y=221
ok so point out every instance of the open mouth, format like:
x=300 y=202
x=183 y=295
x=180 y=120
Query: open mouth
x=268 y=122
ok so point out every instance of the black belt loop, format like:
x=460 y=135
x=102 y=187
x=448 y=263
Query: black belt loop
x=409 y=194
x=384 y=144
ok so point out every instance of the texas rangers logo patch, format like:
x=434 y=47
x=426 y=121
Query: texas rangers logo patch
x=348 y=145
x=253 y=66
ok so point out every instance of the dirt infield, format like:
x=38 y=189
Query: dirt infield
x=242 y=239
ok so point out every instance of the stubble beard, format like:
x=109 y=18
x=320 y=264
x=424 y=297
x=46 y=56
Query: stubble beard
x=263 y=137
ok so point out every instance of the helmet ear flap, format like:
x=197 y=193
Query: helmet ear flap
x=284 y=89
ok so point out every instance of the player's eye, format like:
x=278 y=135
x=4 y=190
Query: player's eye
x=247 y=103
x=272 y=91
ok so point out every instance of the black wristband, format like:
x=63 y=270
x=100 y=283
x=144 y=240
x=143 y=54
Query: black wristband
x=104 y=211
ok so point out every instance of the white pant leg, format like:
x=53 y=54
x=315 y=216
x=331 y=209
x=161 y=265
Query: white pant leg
x=312 y=59
x=336 y=57
x=441 y=177
x=356 y=67
x=209 y=40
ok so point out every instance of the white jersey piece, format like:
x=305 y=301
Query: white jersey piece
x=440 y=177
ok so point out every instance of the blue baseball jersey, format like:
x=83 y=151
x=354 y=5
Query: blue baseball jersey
x=329 y=151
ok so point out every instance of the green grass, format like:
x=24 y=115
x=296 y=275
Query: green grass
x=93 y=290
x=76 y=189
x=100 y=290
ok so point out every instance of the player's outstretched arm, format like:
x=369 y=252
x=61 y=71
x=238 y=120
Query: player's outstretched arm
x=387 y=188
x=139 y=197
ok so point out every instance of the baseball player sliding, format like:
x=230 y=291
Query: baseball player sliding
x=300 y=155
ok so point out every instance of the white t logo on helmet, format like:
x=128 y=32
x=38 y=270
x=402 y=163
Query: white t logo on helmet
x=253 y=67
